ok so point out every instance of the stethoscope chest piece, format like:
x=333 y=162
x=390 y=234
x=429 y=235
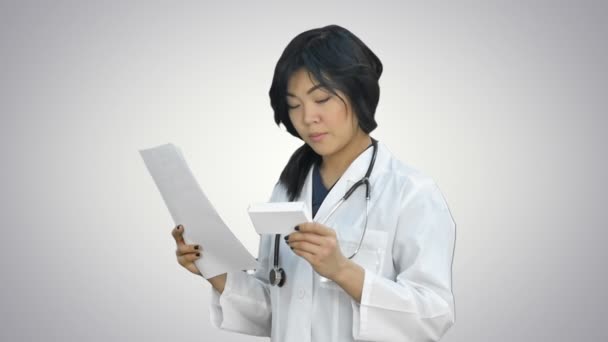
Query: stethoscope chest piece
x=277 y=277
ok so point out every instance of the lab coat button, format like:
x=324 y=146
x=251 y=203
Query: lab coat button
x=301 y=293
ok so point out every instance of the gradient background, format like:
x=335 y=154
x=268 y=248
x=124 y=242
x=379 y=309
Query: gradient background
x=502 y=103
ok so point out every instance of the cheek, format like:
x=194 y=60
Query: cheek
x=293 y=118
x=338 y=119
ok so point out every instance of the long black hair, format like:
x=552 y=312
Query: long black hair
x=338 y=60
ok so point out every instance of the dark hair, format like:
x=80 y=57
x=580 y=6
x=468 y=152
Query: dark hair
x=338 y=60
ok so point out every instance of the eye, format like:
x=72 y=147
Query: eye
x=320 y=101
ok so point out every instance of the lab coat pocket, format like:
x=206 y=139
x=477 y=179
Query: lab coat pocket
x=370 y=256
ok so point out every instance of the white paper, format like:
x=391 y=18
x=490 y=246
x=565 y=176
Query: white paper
x=222 y=251
x=277 y=217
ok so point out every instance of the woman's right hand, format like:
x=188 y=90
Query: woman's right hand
x=186 y=254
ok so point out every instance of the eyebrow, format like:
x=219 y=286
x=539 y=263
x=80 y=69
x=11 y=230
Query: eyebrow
x=309 y=90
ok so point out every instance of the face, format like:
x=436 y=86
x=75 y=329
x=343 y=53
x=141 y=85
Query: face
x=315 y=111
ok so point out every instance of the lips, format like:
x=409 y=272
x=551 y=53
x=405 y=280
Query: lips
x=317 y=137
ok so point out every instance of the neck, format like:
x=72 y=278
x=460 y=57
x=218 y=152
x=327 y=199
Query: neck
x=338 y=162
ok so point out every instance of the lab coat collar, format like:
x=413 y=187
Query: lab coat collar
x=355 y=172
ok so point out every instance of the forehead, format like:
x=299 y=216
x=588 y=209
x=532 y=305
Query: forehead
x=302 y=82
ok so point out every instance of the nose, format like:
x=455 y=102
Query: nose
x=311 y=114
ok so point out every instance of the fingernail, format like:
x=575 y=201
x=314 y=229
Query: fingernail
x=198 y=254
x=196 y=247
x=297 y=228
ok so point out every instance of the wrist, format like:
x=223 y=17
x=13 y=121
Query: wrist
x=218 y=282
x=347 y=271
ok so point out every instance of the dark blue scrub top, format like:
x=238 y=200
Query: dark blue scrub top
x=318 y=189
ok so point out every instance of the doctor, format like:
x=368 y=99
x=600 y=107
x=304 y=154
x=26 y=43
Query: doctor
x=378 y=270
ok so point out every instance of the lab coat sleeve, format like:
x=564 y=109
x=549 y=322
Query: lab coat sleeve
x=418 y=305
x=244 y=305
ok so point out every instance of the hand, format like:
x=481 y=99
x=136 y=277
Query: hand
x=318 y=244
x=186 y=254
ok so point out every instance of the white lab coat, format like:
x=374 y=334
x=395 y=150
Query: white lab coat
x=407 y=256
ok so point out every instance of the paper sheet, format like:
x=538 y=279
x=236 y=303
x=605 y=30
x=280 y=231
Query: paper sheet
x=189 y=206
x=277 y=217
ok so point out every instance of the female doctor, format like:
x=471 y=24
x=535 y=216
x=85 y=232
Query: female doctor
x=375 y=263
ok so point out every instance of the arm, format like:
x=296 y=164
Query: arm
x=240 y=302
x=418 y=305
x=350 y=278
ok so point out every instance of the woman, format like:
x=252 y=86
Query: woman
x=365 y=270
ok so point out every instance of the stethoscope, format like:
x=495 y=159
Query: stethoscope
x=277 y=274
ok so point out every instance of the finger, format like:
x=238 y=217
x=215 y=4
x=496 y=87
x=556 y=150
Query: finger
x=188 y=257
x=309 y=237
x=184 y=249
x=307 y=247
x=317 y=228
x=177 y=233
x=307 y=256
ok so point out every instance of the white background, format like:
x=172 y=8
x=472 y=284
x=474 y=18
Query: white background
x=503 y=104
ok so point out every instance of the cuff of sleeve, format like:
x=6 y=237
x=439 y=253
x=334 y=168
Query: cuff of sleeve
x=360 y=311
x=217 y=299
x=371 y=320
x=234 y=309
x=215 y=308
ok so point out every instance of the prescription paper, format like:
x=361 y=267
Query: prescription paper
x=189 y=206
x=277 y=217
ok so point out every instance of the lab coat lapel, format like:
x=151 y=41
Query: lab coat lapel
x=355 y=171
x=306 y=194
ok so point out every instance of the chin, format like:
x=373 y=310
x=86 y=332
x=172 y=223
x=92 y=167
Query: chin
x=322 y=149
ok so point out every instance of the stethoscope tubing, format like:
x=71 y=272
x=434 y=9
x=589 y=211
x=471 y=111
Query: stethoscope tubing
x=277 y=274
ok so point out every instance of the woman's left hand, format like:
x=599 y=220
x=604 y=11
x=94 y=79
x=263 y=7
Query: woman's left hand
x=319 y=246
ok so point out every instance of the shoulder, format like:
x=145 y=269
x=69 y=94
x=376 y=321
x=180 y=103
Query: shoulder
x=411 y=183
x=399 y=172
